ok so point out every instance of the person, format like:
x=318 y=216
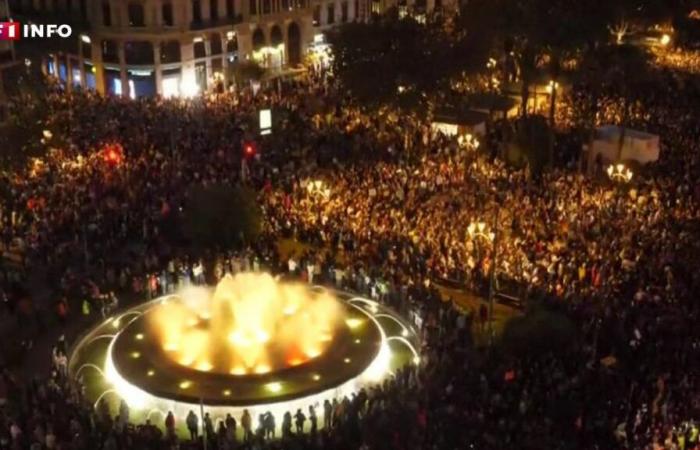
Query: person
x=231 y=425
x=246 y=424
x=124 y=411
x=269 y=425
x=208 y=427
x=327 y=414
x=170 y=425
x=287 y=425
x=86 y=307
x=260 y=430
x=192 y=422
x=313 y=419
x=299 y=419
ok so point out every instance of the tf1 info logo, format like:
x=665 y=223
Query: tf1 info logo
x=12 y=31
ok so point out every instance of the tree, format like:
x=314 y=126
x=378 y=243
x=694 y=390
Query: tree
x=400 y=61
x=537 y=35
x=529 y=143
x=625 y=71
x=539 y=331
x=221 y=217
x=246 y=71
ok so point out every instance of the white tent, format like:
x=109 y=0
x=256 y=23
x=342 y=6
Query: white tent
x=636 y=146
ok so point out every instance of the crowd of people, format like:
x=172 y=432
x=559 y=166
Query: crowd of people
x=380 y=204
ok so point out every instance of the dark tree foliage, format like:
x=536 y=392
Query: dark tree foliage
x=247 y=71
x=530 y=143
x=221 y=217
x=399 y=61
x=539 y=331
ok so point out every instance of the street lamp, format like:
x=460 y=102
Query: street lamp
x=317 y=187
x=468 y=141
x=619 y=173
x=479 y=230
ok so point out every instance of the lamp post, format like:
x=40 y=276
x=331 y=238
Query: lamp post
x=318 y=188
x=619 y=173
x=479 y=230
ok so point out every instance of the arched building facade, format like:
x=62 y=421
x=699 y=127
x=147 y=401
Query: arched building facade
x=174 y=47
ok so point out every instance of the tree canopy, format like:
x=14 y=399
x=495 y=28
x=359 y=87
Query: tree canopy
x=221 y=217
x=541 y=330
x=399 y=60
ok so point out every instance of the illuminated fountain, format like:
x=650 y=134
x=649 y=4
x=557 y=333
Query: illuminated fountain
x=251 y=342
x=249 y=324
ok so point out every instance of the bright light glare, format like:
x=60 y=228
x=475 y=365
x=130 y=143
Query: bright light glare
x=274 y=387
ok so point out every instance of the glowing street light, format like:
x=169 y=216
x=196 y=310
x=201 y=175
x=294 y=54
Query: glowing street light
x=317 y=187
x=480 y=230
x=552 y=86
x=620 y=173
x=468 y=141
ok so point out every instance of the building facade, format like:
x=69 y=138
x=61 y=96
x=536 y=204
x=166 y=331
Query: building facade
x=173 y=47
x=7 y=50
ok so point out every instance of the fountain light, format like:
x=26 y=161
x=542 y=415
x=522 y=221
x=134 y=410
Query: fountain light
x=139 y=337
x=353 y=323
x=135 y=355
x=238 y=370
x=316 y=377
x=226 y=392
x=151 y=372
x=262 y=368
x=274 y=387
x=185 y=384
x=347 y=360
x=204 y=366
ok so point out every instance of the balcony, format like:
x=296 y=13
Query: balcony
x=216 y=23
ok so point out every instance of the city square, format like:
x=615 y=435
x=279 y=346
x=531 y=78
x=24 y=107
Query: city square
x=349 y=224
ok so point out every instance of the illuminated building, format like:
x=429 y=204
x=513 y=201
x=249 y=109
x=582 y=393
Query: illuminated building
x=172 y=47
x=7 y=56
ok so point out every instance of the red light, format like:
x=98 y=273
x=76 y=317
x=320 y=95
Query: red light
x=113 y=154
x=249 y=150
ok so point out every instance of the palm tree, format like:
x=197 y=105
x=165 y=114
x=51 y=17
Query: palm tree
x=627 y=72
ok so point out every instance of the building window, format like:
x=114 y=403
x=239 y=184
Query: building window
x=232 y=45
x=109 y=52
x=136 y=18
x=230 y=9
x=86 y=50
x=214 y=9
x=253 y=7
x=331 y=14
x=344 y=12
x=376 y=7
x=317 y=15
x=196 y=11
x=267 y=8
x=106 y=15
x=170 y=52
x=167 y=10
x=215 y=44
x=138 y=53
x=199 y=49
